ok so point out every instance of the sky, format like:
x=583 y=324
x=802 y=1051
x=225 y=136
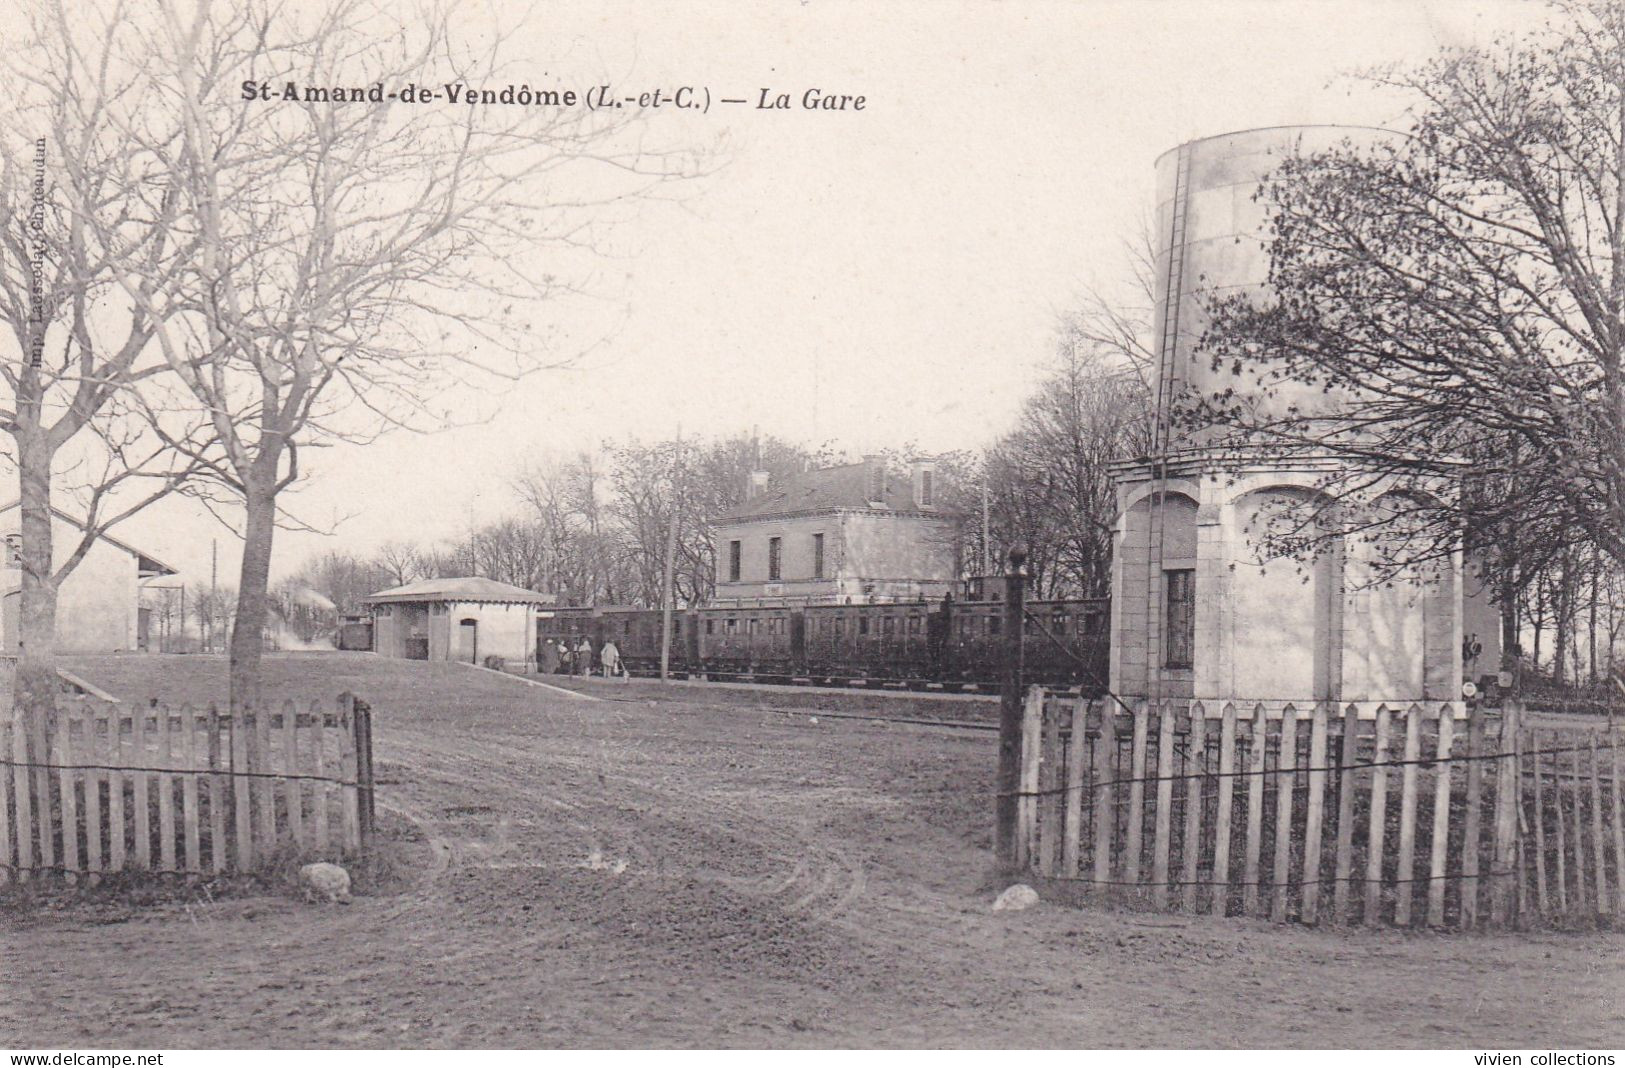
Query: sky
x=871 y=279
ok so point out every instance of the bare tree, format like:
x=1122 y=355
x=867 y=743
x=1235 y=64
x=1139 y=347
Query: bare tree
x=1463 y=289
x=351 y=262
x=1049 y=478
x=79 y=207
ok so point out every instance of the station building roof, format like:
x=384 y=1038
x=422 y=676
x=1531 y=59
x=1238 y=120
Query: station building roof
x=831 y=489
x=467 y=588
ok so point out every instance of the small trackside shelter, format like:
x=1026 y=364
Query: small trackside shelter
x=469 y=619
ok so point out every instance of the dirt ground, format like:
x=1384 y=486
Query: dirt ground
x=668 y=868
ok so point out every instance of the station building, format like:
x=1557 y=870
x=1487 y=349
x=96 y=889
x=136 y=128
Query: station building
x=468 y=619
x=98 y=605
x=855 y=534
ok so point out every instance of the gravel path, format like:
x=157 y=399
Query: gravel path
x=666 y=870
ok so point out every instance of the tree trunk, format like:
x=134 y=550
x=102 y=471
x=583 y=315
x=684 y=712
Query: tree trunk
x=36 y=682
x=1563 y=620
x=248 y=628
x=1591 y=637
x=1509 y=631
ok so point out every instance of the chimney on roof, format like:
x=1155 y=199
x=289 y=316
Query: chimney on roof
x=755 y=485
x=874 y=478
x=922 y=472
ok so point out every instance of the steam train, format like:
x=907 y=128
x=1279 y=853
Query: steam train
x=946 y=644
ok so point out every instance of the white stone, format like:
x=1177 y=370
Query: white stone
x=326 y=880
x=1015 y=898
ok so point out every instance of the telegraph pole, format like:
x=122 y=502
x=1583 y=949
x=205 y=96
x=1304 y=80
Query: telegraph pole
x=987 y=531
x=214 y=592
x=1010 y=712
x=668 y=596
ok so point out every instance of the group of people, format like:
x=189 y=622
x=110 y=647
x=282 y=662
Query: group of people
x=559 y=657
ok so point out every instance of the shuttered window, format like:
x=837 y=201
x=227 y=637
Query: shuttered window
x=1180 y=647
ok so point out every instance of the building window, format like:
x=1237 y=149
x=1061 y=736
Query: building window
x=733 y=561
x=1181 y=618
x=775 y=548
x=863 y=624
x=818 y=556
x=926 y=489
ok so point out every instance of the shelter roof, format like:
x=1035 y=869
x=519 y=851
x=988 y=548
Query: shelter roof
x=466 y=588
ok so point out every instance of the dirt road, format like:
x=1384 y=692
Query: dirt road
x=670 y=872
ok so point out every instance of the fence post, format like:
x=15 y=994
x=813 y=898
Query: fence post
x=1010 y=720
x=361 y=721
x=1032 y=726
x=349 y=771
x=25 y=799
x=1506 y=787
x=1471 y=836
x=5 y=801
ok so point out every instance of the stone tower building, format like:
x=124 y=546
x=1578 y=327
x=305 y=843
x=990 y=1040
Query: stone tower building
x=1200 y=606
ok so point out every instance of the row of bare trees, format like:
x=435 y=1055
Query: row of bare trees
x=198 y=285
x=593 y=528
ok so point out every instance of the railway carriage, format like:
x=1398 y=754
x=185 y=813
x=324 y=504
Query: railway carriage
x=954 y=644
x=567 y=625
x=878 y=641
x=637 y=635
x=748 y=641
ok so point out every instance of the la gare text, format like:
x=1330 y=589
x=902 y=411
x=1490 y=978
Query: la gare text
x=685 y=98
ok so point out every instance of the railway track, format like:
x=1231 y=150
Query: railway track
x=820 y=713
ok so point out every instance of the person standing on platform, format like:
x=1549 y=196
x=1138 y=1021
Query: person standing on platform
x=584 y=657
x=610 y=657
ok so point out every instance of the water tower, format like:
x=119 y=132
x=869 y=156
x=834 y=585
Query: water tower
x=1199 y=606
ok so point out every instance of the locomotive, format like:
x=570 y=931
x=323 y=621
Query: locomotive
x=947 y=644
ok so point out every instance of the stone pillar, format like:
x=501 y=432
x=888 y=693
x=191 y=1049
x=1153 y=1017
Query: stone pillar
x=1213 y=616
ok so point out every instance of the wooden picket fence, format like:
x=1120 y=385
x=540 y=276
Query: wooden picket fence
x=106 y=788
x=1420 y=814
